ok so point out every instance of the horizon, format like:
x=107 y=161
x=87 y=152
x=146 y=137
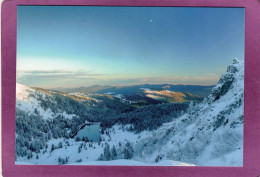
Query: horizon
x=82 y=46
x=97 y=85
x=126 y=86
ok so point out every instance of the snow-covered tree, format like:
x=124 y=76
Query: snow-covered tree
x=128 y=151
x=113 y=153
x=107 y=155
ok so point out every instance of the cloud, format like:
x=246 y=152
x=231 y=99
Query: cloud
x=69 y=78
x=186 y=80
x=56 y=78
x=56 y=74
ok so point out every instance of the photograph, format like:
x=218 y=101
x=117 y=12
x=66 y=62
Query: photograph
x=129 y=86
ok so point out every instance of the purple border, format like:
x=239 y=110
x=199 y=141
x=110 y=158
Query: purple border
x=252 y=97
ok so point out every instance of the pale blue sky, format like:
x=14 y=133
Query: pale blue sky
x=72 y=46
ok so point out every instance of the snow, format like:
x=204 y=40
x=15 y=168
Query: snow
x=145 y=89
x=118 y=134
x=233 y=159
x=110 y=93
x=91 y=153
x=124 y=162
x=154 y=97
x=123 y=99
x=120 y=96
x=23 y=163
x=27 y=99
x=88 y=156
x=87 y=97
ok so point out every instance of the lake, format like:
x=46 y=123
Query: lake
x=90 y=131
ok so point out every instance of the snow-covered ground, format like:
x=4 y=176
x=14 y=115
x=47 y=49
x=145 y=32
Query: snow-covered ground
x=124 y=162
x=91 y=151
x=28 y=100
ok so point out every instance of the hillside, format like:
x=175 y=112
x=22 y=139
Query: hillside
x=50 y=103
x=210 y=133
x=170 y=96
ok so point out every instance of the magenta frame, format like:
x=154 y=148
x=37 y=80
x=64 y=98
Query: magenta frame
x=251 y=166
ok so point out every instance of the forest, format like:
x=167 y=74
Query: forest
x=33 y=131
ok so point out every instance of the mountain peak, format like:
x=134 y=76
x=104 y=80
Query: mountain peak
x=22 y=91
x=235 y=60
x=233 y=78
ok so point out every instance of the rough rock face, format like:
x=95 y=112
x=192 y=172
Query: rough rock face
x=226 y=81
x=211 y=133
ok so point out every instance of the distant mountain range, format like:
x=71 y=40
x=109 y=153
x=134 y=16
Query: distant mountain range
x=175 y=93
x=146 y=94
x=198 y=90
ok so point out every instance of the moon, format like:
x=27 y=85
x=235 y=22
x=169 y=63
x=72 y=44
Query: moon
x=151 y=20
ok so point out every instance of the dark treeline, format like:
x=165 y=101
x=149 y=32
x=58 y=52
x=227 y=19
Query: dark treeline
x=32 y=133
x=148 y=117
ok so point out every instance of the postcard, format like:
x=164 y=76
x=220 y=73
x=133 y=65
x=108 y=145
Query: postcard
x=135 y=86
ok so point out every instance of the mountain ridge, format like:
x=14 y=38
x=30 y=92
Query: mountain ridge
x=199 y=90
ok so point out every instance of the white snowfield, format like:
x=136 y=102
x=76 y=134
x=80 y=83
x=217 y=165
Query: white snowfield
x=27 y=99
x=88 y=156
x=124 y=162
x=209 y=134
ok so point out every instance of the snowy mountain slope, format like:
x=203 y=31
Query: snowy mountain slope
x=30 y=101
x=50 y=103
x=211 y=133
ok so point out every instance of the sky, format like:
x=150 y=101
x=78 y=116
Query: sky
x=74 y=46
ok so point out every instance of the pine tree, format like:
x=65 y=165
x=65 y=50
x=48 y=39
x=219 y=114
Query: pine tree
x=79 y=149
x=128 y=151
x=52 y=147
x=60 y=145
x=113 y=153
x=101 y=157
x=107 y=154
x=158 y=158
x=77 y=138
